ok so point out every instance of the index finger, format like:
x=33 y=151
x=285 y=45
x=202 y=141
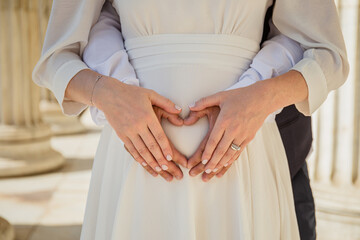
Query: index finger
x=159 y=135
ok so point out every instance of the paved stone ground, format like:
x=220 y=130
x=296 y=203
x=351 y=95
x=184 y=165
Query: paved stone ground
x=51 y=206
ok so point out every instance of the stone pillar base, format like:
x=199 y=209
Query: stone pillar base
x=6 y=230
x=59 y=123
x=338 y=210
x=25 y=151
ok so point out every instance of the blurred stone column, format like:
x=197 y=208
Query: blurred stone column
x=7 y=231
x=24 y=138
x=49 y=107
x=335 y=166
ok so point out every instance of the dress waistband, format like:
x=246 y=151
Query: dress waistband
x=217 y=49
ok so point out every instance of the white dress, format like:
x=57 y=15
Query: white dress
x=253 y=200
x=187 y=49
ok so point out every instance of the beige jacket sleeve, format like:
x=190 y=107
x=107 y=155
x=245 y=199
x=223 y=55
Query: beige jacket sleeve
x=315 y=25
x=66 y=37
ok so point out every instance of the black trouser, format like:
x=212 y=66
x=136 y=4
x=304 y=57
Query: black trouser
x=304 y=204
x=296 y=134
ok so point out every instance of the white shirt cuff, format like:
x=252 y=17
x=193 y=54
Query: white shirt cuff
x=62 y=78
x=317 y=85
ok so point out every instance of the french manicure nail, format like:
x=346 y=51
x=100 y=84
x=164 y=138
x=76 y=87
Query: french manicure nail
x=168 y=157
x=215 y=170
x=178 y=177
x=208 y=171
x=177 y=107
x=158 y=169
x=144 y=164
x=226 y=164
x=204 y=161
x=192 y=105
x=164 y=167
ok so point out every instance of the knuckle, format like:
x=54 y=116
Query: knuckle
x=228 y=155
x=168 y=101
x=220 y=151
x=161 y=136
x=143 y=151
x=224 y=122
x=152 y=146
x=151 y=92
x=212 y=142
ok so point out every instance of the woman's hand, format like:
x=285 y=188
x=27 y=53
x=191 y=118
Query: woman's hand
x=242 y=113
x=195 y=160
x=178 y=157
x=194 y=163
x=129 y=110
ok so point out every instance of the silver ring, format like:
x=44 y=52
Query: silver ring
x=235 y=147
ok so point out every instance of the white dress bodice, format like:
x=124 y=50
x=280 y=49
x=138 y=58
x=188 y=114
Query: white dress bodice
x=232 y=17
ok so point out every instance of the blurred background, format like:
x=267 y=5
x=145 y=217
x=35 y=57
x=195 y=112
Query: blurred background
x=46 y=157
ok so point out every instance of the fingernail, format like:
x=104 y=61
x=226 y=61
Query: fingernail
x=177 y=107
x=192 y=105
x=215 y=170
x=158 y=169
x=169 y=179
x=144 y=164
x=164 y=167
x=226 y=164
x=178 y=177
x=204 y=161
x=168 y=157
x=208 y=171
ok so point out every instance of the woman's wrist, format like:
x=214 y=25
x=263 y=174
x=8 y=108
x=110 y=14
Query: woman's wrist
x=81 y=86
x=284 y=90
x=102 y=89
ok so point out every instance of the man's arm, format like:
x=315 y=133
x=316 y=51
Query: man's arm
x=315 y=25
x=105 y=54
x=277 y=56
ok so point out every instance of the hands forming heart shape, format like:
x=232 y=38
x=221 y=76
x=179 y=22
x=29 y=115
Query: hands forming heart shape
x=194 y=163
x=234 y=117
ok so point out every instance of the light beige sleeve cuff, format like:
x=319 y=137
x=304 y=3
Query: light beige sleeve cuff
x=62 y=77
x=317 y=85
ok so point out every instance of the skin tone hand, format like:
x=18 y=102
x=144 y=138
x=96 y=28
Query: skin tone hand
x=178 y=157
x=242 y=113
x=194 y=163
x=129 y=111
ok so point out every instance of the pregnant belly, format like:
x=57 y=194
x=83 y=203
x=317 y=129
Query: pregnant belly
x=187 y=67
x=183 y=84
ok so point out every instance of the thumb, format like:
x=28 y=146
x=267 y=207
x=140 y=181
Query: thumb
x=209 y=101
x=194 y=117
x=164 y=103
x=179 y=158
x=173 y=118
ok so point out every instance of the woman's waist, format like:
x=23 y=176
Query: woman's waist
x=187 y=83
x=219 y=50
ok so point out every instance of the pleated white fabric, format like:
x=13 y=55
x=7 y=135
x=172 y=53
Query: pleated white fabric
x=253 y=200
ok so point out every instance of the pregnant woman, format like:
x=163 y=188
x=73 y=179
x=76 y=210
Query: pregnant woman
x=183 y=51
